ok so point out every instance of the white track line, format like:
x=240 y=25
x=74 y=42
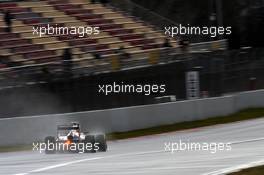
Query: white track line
x=247 y=141
x=239 y=167
x=220 y=172
x=59 y=165
x=84 y=160
x=236 y=168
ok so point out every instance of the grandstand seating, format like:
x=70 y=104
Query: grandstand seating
x=116 y=30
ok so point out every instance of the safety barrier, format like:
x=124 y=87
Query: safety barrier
x=25 y=130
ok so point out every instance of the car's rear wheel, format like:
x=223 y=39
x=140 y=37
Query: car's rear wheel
x=101 y=140
x=50 y=143
x=89 y=144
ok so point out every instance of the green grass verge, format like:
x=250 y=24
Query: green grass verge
x=239 y=116
x=251 y=171
x=15 y=148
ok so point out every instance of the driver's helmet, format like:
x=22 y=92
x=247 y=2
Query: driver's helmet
x=76 y=126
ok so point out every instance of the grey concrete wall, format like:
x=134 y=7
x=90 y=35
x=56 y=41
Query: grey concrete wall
x=249 y=99
x=25 y=130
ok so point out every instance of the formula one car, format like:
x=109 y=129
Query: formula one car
x=70 y=139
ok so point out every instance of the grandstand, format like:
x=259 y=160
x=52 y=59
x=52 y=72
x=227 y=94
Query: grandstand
x=32 y=67
x=117 y=29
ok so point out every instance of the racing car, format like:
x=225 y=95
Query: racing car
x=70 y=139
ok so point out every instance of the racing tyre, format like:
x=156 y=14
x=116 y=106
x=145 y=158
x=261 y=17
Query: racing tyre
x=50 y=145
x=89 y=139
x=100 y=139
